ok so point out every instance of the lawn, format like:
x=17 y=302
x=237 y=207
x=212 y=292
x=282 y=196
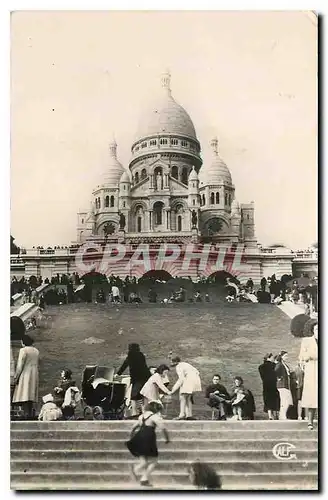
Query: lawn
x=229 y=339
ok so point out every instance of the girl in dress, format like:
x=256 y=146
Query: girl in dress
x=156 y=385
x=143 y=441
x=309 y=359
x=188 y=382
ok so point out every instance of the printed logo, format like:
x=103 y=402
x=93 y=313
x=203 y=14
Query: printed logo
x=283 y=451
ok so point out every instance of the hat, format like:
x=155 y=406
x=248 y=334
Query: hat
x=48 y=398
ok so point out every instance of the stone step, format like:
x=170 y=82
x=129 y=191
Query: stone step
x=100 y=480
x=123 y=434
x=184 y=444
x=57 y=466
x=94 y=425
x=115 y=487
x=212 y=453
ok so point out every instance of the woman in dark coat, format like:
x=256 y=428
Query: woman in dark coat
x=139 y=373
x=271 y=398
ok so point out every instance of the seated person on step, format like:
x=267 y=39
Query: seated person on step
x=218 y=397
x=242 y=401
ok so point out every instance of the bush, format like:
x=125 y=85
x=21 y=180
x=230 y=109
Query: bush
x=297 y=325
x=308 y=327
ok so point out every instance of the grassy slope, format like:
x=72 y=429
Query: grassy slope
x=227 y=338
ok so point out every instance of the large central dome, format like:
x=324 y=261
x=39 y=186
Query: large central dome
x=165 y=116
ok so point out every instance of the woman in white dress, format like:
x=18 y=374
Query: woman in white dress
x=26 y=378
x=156 y=385
x=309 y=360
x=188 y=382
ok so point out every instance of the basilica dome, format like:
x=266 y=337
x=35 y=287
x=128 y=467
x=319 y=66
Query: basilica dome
x=114 y=169
x=165 y=116
x=217 y=171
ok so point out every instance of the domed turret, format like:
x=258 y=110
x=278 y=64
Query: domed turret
x=193 y=176
x=217 y=172
x=114 y=170
x=125 y=177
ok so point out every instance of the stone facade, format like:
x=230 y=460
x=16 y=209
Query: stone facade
x=166 y=188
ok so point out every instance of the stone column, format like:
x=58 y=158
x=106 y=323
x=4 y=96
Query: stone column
x=150 y=220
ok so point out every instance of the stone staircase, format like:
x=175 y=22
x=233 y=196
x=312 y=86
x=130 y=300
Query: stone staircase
x=91 y=455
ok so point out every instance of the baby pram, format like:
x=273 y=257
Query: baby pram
x=104 y=398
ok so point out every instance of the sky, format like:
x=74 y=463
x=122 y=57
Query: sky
x=77 y=78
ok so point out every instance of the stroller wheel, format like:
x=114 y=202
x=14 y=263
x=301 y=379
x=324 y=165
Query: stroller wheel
x=88 y=413
x=98 y=413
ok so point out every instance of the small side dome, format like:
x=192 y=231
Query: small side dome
x=217 y=171
x=193 y=176
x=125 y=177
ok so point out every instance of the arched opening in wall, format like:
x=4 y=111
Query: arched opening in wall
x=217 y=198
x=112 y=201
x=175 y=172
x=99 y=204
x=158 y=175
x=212 y=198
x=214 y=226
x=136 y=178
x=107 y=201
x=158 y=213
x=229 y=199
x=81 y=234
x=203 y=199
x=184 y=175
x=179 y=223
x=138 y=218
x=143 y=173
x=226 y=199
x=159 y=275
x=220 y=277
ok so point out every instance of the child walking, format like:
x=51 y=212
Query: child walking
x=143 y=442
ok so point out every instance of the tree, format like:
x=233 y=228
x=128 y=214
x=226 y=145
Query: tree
x=14 y=249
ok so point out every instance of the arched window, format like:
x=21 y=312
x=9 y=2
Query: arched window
x=217 y=198
x=226 y=199
x=82 y=221
x=158 y=213
x=143 y=173
x=99 y=204
x=229 y=199
x=123 y=204
x=136 y=178
x=179 y=223
x=193 y=202
x=112 y=200
x=175 y=172
x=96 y=203
x=107 y=201
x=184 y=175
x=203 y=198
x=212 y=198
x=153 y=142
x=139 y=223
